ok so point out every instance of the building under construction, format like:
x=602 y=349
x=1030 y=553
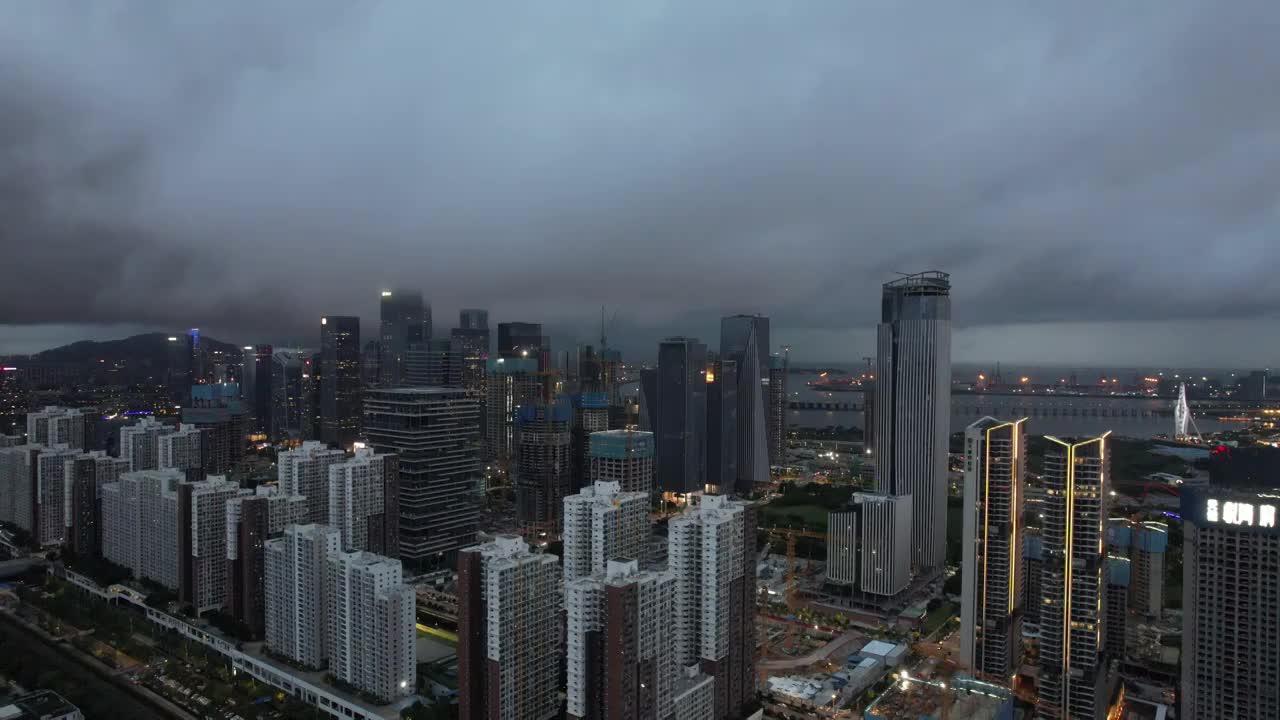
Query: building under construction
x=544 y=463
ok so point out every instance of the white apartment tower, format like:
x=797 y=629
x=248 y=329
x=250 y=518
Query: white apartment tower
x=140 y=524
x=49 y=511
x=509 y=629
x=712 y=553
x=882 y=524
x=602 y=523
x=913 y=407
x=140 y=443
x=202 y=541
x=992 y=588
x=297 y=612
x=371 y=636
x=57 y=426
x=181 y=450
x=305 y=471
x=619 y=643
x=359 y=492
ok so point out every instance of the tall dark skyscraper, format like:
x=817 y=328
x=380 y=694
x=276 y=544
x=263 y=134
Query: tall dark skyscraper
x=406 y=320
x=681 y=422
x=435 y=362
x=472 y=338
x=778 y=368
x=722 y=424
x=744 y=339
x=436 y=434
x=524 y=340
x=340 y=403
x=913 y=407
x=257 y=385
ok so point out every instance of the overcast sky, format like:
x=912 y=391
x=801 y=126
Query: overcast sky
x=1100 y=179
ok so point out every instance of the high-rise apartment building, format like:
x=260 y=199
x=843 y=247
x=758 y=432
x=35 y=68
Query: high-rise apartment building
x=140 y=524
x=722 y=424
x=1033 y=559
x=1115 y=605
x=512 y=383
x=991 y=587
x=304 y=471
x=18 y=465
x=84 y=477
x=140 y=443
x=624 y=457
x=712 y=553
x=202 y=542
x=1072 y=682
x=744 y=339
x=543 y=463
x=364 y=502
x=297 y=604
x=603 y=523
x=435 y=433
x=370 y=636
x=509 y=632
x=50 y=501
x=182 y=449
x=619 y=643
x=340 y=403
x=680 y=427
x=1230 y=604
x=58 y=426
x=252 y=520
x=913 y=407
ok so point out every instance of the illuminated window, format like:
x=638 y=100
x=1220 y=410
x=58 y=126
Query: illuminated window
x=1267 y=516
x=1211 y=511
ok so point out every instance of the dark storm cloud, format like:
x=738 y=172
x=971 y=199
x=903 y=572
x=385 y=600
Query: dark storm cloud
x=250 y=167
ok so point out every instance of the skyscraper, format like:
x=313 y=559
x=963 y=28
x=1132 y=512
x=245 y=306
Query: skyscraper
x=297 y=607
x=304 y=471
x=524 y=340
x=543 y=462
x=778 y=369
x=512 y=383
x=1230 y=606
x=1144 y=543
x=1117 y=575
x=590 y=415
x=364 y=502
x=509 y=630
x=681 y=422
x=370 y=636
x=881 y=523
x=722 y=424
x=340 y=389
x=291 y=390
x=744 y=339
x=182 y=449
x=435 y=362
x=913 y=407
x=991 y=587
x=603 y=523
x=474 y=319
x=406 y=320
x=257 y=385
x=435 y=434
x=624 y=457
x=619 y=643
x=712 y=553
x=218 y=411
x=140 y=524
x=50 y=499
x=1072 y=671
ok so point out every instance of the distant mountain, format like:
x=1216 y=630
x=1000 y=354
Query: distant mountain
x=149 y=349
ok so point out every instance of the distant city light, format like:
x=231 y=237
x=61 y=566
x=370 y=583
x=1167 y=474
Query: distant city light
x=173 y=339
x=324 y=321
x=386 y=293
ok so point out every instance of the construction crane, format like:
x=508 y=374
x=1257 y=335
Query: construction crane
x=792 y=591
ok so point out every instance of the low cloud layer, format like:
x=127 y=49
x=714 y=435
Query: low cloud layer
x=248 y=168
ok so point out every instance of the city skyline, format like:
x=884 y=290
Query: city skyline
x=1162 y=197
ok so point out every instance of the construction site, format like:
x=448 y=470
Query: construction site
x=922 y=699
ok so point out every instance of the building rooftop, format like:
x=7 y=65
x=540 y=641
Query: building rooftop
x=621 y=444
x=37 y=705
x=416 y=390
